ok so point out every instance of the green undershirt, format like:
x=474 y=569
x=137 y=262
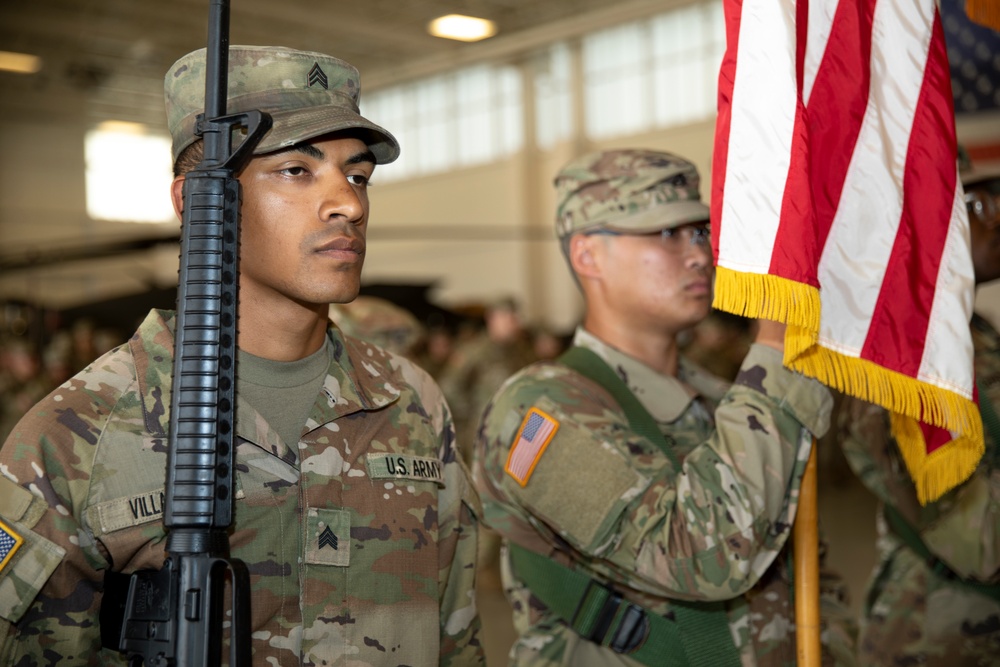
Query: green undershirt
x=283 y=392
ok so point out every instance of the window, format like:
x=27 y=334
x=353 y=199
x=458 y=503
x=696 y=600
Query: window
x=652 y=74
x=553 y=96
x=467 y=117
x=128 y=175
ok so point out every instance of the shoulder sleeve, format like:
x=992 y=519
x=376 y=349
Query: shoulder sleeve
x=46 y=464
x=27 y=558
x=705 y=531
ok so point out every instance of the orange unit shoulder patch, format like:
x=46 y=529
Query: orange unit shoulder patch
x=533 y=437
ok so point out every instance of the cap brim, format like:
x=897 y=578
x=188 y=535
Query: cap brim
x=298 y=125
x=976 y=176
x=665 y=216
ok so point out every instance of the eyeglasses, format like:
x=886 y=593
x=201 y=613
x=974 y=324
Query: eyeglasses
x=675 y=238
x=983 y=205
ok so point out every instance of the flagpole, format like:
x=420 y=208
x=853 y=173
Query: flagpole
x=806 y=545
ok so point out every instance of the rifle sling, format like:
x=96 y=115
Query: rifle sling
x=697 y=634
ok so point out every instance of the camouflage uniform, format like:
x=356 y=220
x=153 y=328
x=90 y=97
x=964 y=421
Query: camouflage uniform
x=82 y=484
x=606 y=501
x=914 y=613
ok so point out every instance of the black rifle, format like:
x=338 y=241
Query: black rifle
x=174 y=616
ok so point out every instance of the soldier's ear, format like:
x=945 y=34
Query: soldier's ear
x=583 y=255
x=177 y=195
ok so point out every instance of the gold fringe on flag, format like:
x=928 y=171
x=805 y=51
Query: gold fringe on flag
x=759 y=295
x=907 y=399
x=984 y=12
x=943 y=469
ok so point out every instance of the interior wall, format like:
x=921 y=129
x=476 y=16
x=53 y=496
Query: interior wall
x=477 y=233
x=487 y=231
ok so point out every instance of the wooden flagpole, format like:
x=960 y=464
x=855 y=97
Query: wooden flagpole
x=805 y=543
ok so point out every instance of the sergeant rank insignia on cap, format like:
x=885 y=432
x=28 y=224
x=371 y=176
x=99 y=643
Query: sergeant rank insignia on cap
x=318 y=77
x=533 y=437
x=10 y=542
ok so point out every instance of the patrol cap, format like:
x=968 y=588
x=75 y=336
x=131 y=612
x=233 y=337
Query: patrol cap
x=380 y=321
x=632 y=190
x=307 y=94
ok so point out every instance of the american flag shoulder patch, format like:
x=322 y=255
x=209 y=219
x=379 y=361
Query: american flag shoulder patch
x=10 y=542
x=533 y=437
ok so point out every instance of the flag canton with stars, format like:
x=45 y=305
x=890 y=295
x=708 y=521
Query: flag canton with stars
x=974 y=60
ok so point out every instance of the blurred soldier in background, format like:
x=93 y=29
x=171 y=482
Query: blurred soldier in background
x=934 y=598
x=479 y=365
x=719 y=343
x=434 y=353
x=22 y=382
x=645 y=504
x=382 y=322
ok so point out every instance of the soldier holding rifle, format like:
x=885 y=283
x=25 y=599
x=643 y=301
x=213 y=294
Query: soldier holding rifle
x=352 y=510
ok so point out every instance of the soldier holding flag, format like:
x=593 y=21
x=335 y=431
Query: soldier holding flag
x=646 y=505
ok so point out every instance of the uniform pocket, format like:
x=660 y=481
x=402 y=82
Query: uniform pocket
x=328 y=537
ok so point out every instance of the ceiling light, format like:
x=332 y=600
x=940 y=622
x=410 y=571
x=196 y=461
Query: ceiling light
x=22 y=63
x=462 y=28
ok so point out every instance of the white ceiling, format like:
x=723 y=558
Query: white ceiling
x=106 y=58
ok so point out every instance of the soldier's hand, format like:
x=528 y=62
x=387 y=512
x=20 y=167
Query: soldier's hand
x=771 y=333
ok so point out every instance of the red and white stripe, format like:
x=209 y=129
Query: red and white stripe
x=835 y=166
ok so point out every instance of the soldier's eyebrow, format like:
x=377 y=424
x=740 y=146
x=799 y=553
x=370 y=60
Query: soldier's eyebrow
x=309 y=150
x=312 y=151
x=361 y=157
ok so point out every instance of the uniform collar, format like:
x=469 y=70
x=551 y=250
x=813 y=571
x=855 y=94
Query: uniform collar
x=665 y=397
x=360 y=378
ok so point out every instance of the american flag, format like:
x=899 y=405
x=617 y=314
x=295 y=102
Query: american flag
x=837 y=208
x=536 y=431
x=9 y=543
x=973 y=51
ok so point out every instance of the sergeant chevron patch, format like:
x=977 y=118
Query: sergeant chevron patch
x=328 y=537
x=10 y=542
x=533 y=437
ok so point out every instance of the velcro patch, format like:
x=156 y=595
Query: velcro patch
x=329 y=537
x=10 y=542
x=384 y=465
x=533 y=437
x=131 y=511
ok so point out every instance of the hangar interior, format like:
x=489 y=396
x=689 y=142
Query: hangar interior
x=464 y=217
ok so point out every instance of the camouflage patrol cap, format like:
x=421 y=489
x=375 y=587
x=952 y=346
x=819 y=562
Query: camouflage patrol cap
x=307 y=94
x=627 y=190
x=380 y=321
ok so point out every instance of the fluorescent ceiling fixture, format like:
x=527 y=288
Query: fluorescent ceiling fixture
x=22 y=63
x=129 y=172
x=462 y=28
